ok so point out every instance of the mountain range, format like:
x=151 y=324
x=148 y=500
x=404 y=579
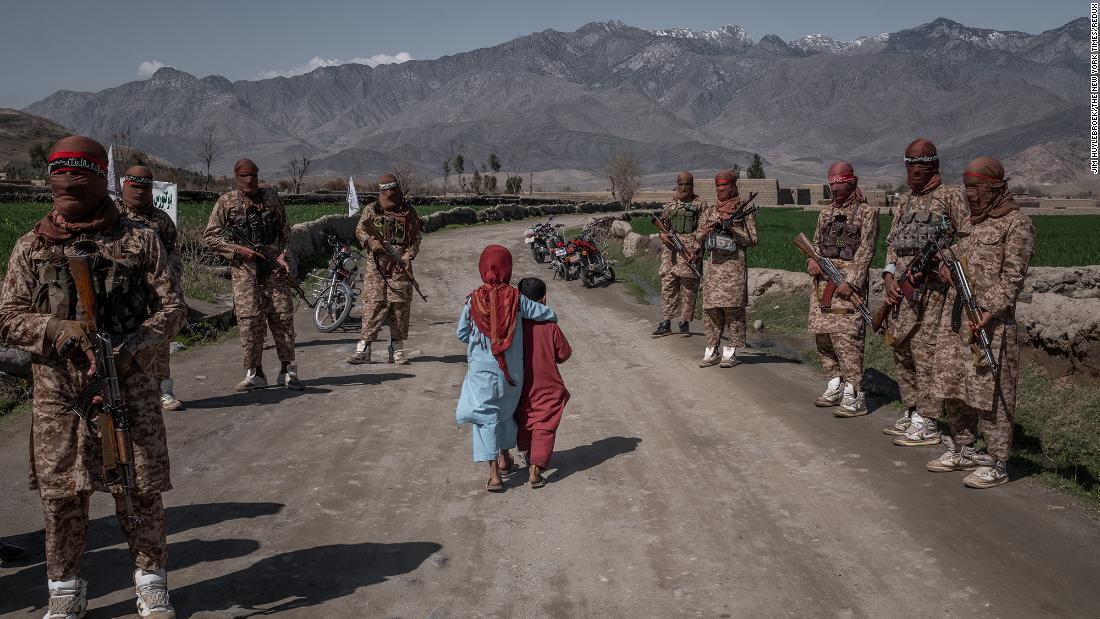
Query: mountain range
x=678 y=98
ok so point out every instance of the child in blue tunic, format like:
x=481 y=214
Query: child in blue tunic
x=490 y=326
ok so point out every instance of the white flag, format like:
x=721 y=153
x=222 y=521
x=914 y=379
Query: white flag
x=353 y=198
x=165 y=198
x=113 y=189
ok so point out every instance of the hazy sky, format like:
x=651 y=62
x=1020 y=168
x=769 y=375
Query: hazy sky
x=88 y=46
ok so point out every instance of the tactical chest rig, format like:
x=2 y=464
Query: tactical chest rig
x=123 y=298
x=258 y=225
x=914 y=230
x=841 y=236
x=683 y=218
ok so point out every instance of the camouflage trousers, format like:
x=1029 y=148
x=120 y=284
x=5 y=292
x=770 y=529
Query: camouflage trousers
x=156 y=363
x=995 y=427
x=913 y=368
x=375 y=314
x=842 y=355
x=67 y=523
x=260 y=308
x=678 y=297
x=728 y=319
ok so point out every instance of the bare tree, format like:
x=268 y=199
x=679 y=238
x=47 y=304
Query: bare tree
x=446 y=173
x=208 y=149
x=407 y=177
x=299 y=167
x=624 y=172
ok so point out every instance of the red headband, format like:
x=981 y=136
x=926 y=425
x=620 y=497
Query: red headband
x=724 y=182
x=69 y=161
x=846 y=177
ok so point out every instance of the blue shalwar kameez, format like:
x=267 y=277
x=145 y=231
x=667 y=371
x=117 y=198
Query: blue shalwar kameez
x=487 y=400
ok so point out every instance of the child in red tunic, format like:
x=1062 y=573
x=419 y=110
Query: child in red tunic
x=544 y=394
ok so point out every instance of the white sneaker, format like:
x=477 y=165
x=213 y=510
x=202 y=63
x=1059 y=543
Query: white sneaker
x=921 y=432
x=397 y=349
x=988 y=476
x=168 y=399
x=954 y=459
x=152 y=594
x=68 y=599
x=901 y=426
x=852 y=404
x=361 y=354
x=251 y=381
x=831 y=396
x=289 y=378
x=729 y=357
x=710 y=357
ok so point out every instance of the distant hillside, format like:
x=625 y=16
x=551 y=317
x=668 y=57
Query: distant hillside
x=679 y=98
x=20 y=130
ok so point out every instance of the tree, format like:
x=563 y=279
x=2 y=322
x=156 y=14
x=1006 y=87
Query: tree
x=208 y=149
x=299 y=167
x=624 y=172
x=756 y=170
x=39 y=155
x=513 y=184
x=446 y=173
x=490 y=183
x=494 y=163
x=408 y=178
x=475 y=182
x=459 y=165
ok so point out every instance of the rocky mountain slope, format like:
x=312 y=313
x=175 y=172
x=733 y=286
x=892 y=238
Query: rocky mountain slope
x=680 y=98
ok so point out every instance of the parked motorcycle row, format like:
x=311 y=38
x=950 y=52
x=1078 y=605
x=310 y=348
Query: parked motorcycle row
x=578 y=258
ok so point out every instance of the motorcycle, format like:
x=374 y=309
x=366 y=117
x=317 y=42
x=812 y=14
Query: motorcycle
x=542 y=238
x=593 y=265
x=334 y=295
x=565 y=260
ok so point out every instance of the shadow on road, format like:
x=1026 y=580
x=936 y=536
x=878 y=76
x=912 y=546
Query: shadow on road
x=584 y=457
x=356 y=379
x=296 y=579
x=443 y=359
x=880 y=389
x=108 y=569
x=346 y=340
x=763 y=357
x=273 y=394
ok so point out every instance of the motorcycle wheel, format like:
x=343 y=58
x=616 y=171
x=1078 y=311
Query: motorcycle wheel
x=588 y=280
x=610 y=273
x=333 y=307
x=537 y=253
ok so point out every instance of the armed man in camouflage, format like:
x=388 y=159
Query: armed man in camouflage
x=387 y=293
x=846 y=234
x=726 y=234
x=995 y=255
x=262 y=296
x=913 y=324
x=140 y=308
x=679 y=284
x=137 y=202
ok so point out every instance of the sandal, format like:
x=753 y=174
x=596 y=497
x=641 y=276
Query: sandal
x=537 y=484
x=489 y=486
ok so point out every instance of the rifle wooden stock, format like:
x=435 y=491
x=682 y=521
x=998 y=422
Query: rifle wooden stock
x=880 y=317
x=80 y=269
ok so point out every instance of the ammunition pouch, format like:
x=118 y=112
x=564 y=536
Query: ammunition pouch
x=913 y=231
x=720 y=243
x=840 y=238
x=683 y=218
x=259 y=227
x=394 y=230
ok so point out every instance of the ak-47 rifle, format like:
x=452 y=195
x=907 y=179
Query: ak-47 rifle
x=677 y=245
x=240 y=238
x=102 y=397
x=836 y=278
x=393 y=255
x=919 y=267
x=741 y=214
x=964 y=300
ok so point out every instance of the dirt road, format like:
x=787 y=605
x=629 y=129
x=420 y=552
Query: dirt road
x=679 y=491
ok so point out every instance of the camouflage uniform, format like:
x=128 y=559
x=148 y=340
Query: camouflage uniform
x=66 y=454
x=726 y=282
x=679 y=286
x=839 y=330
x=387 y=294
x=156 y=362
x=912 y=332
x=261 y=302
x=997 y=253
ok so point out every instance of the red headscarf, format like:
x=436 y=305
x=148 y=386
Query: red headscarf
x=495 y=305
